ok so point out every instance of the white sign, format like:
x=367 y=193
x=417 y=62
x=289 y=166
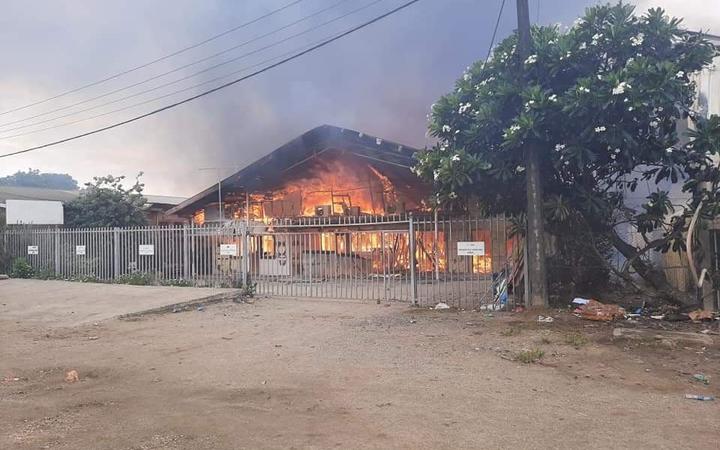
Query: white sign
x=146 y=249
x=80 y=250
x=228 y=249
x=33 y=250
x=476 y=248
x=37 y=212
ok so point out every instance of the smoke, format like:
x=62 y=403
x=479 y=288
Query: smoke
x=381 y=80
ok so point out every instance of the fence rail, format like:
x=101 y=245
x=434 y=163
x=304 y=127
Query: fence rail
x=388 y=258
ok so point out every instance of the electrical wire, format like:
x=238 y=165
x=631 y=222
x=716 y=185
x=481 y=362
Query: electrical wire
x=218 y=88
x=154 y=61
x=185 y=66
x=497 y=24
x=193 y=75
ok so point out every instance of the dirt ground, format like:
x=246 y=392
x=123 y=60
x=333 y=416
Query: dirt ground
x=293 y=373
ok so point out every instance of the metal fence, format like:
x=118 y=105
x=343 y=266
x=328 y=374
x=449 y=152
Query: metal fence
x=427 y=260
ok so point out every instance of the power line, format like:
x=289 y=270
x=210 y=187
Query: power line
x=223 y=86
x=177 y=69
x=215 y=66
x=157 y=60
x=170 y=94
x=497 y=24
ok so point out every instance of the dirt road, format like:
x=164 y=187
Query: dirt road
x=329 y=374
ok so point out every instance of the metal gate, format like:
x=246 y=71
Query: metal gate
x=403 y=258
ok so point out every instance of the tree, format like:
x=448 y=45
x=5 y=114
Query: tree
x=105 y=203
x=601 y=102
x=33 y=178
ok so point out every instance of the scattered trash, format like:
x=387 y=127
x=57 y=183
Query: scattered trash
x=581 y=301
x=660 y=317
x=702 y=398
x=544 y=319
x=442 y=305
x=264 y=382
x=595 y=310
x=700 y=314
x=413 y=321
x=492 y=307
x=201 y=308
x=227 y=338
x=702 y=378
x=72 y=376
x=176 y=310
x=93 y=338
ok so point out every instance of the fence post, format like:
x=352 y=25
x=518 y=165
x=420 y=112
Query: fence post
x=245 y=265
x=411 y=241
x=116 y=252
x=57 y=251
x=186 y=255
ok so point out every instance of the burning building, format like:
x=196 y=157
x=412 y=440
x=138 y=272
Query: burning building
x=326 y=172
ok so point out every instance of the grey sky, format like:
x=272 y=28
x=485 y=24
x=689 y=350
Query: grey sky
x=382 y=80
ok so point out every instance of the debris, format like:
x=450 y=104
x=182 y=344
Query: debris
x=176 y=310
x=581 y=301
x=4 y=277
x=700 y=314
x=702 y=398
x=442 y=305
x=544 y=319
x=201 y=308
x=227 y=338
x=595 y=310
x=72 y=376
x=660 y=317
x=93 y=338
x=702 y=378
x=669 y=337
x=413 y=321
x=264 y=382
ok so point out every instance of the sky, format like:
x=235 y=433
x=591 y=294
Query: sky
x=381 y=80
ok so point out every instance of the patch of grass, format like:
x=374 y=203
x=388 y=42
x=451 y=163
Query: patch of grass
x=512 y=331
x=529 y=356
x=577 y=340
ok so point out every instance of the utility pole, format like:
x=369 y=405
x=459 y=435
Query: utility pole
x=535 y=236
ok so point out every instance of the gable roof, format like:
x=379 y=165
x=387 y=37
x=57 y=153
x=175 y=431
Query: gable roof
x=395 y=157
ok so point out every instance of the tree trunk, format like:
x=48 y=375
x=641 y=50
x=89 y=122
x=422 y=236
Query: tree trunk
x=652 y=275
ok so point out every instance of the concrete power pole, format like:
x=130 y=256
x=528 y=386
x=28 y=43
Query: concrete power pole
x=535 y=238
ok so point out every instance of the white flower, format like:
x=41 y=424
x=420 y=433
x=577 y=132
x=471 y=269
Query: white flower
x=669 y=150
x=553 y=98
x=620 y=88
x=567 y=163
x=446 y=128
x=531 y=59
x=617 y=150
x=452 y=195
x=660 y=109
x=466 y=77
x=551 y=42
x=630 y=108
x=637 y=40
x=579 y=21
x=456 y=157
x=680 y=74
x=654 y=123
x=464 y=108
x=582 y=46
x=436 y=174
x=600 y=129
x=559 y=147
x=596 y=37
x=612 y=156
x=629 y=60
x=519 y=169
x=582 y=89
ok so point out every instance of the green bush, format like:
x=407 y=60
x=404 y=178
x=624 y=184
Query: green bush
x=21 y=269
x=137 y=279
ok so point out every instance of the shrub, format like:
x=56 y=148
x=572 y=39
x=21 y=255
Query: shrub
x=529 y=356
x=136 y=279
x=21 y=269
x=577 y=340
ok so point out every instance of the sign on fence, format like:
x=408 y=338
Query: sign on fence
x=475 y=248
x=228 y=249
x=146 y=249
x=33 y=250
x=80 y=250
